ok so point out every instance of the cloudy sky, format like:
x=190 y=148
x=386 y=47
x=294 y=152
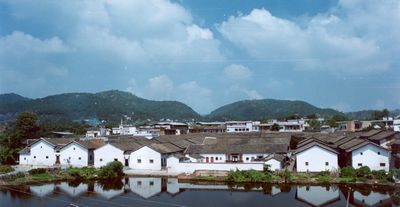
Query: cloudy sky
x=342 y=54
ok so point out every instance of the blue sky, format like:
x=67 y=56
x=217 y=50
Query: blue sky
x=339 y=54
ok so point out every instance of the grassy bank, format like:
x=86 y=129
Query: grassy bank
x=110 y=171
x=346 y=175
x=5 y=169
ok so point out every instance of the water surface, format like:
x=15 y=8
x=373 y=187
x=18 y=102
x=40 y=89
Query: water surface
x=142 y=191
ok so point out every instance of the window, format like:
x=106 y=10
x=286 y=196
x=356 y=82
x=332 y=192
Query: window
x=139 y=161
x=34 y=157
x=247 y=158
x=359 y=164
x=79 y=158
x=259 y=156
x=139 y=182
x=74 y=148
x=101 y=160
x=151 y=161
x=306 y=163
x=361 y=153
x=47 y=157
x=151 y=183
x=379 y=153
x=216 y=158
x=24 y=158
x=382 y=164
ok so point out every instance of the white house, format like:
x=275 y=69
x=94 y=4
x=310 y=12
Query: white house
x=43 y=152
x=74 y=154
x=145 y=158
x=242 y=126
x=274 y=161
x=369 y=154
x=316 y=157
x=108 y=153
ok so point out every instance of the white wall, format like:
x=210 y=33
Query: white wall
x=221 y=157
x=107 y=153
x=274 y=164
x=316 y=157
x=252 y=156
x=76 y=154
x=42 y=153
x=173 y=165
x=145 y=154
x=24 y=159
x=370 y=157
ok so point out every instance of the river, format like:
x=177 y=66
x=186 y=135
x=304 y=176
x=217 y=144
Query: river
x=142 y=191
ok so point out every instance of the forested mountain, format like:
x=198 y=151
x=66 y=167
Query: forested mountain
x=270 y=108
x=107 y=105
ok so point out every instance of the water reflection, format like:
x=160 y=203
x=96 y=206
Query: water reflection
x=160 y=191
x=317 y=195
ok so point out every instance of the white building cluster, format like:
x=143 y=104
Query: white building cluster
x=188 y=153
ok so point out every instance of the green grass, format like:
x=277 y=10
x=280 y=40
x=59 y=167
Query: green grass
x=347 y=180
x=44 y=177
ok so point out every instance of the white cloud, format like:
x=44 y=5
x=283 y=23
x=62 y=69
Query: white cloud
x=252 y=94
x=195 y=32
x=237 y=72
x=349 y=38
x=160 y=87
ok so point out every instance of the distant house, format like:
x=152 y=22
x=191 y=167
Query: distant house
x=316 y=157
x=242 y=126
x=274 y=161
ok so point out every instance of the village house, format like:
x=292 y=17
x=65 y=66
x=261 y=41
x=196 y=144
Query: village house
x=242 y=126
x=59 y=151
x=315 y=156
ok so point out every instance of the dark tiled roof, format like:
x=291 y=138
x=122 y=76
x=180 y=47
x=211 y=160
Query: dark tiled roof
x=92 y=144
x=165 y=148
x=126 y=146
x=25 y=151
x=382 y=135
x=275 y=156
x=312 y=144
x=234 y=148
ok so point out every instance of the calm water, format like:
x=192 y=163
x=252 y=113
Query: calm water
x=135 y=191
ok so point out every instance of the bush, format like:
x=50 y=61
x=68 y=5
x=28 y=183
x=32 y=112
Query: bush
x=6 y=169
x=324 y=173
x=74 y=172
x=286 y=175
x=379 y=174
x=82 y=173
x=249 y=176
x=111 y=170
x=347 y=172
x=37 y=171
x=363 y=172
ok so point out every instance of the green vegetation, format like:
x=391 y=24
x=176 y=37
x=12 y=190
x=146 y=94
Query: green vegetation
x=107 y=105
x=249 y=176
x=85 y=173
x=5 y=169
x=257 y=109
x=111 y=170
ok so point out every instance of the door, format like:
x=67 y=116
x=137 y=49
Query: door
x=212 y=159
x=206 y=159
x=57 y=159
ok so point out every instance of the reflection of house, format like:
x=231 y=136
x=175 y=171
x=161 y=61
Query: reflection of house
x=73 y=191
x=317 y=195
x=109 y=193
x=373 y=199
x=42 y=190
x=314 y=156
x=173 y=186
x=145 y=187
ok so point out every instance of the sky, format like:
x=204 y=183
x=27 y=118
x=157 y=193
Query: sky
x=341 y=54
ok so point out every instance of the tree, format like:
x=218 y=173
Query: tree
x=275 y=127
x=315 y=124
x=264 y=120
x=26 y=127
x=312 y=116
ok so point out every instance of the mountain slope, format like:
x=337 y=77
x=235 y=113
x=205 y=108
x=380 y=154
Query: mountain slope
x=107 y=105
x=257 y=109
x=9 y=98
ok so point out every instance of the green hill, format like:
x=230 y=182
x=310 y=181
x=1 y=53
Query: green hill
x=9 y=98
x=107 y=105
x=257 y=109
